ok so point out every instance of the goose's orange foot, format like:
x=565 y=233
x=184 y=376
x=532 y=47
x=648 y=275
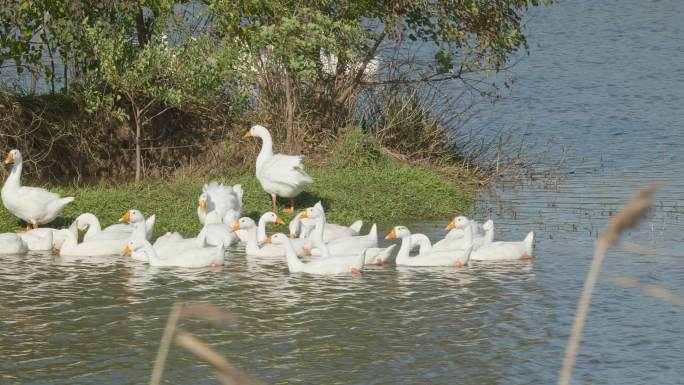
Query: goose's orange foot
x=354 y=270
x=526 y=257
x=289 y=210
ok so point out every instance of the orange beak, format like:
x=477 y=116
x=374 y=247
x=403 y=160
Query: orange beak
x=126 y=217
x=235 y=226
x=279 y=221
x=203 y=205
x=9 y=159
x=248 y=134
x=293 y=235
x=269 y=240
x=126 y=251
x=452 y=225
x=302 y=215
x=391 y=235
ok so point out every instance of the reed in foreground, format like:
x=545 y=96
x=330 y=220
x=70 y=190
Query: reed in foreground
x=226 y=373
x=628 y=217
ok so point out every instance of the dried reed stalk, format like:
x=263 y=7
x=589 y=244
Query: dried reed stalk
x=626 y=218
x=226 y=373
x=656 y=291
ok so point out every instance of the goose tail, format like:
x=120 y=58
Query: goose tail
x=356 y=226
x=529 y=243
x=373 y=233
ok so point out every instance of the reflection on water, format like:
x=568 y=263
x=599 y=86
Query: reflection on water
x=604 y=79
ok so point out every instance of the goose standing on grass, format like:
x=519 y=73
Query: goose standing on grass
x=33 y=205
x=280 y=175
x=498 y=251
x=323 y=266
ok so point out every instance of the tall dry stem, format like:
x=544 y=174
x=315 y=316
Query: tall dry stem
x=626 y=218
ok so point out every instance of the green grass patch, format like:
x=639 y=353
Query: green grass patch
x=356 y=182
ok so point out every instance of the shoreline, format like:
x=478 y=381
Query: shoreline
x=388 y=192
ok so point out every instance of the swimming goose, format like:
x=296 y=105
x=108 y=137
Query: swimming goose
x=253 y=248
x=33 y=205
x=194 y=257
x=499 y=251
x=340 y=246
x=11 y=243
x=279 y=175
x=323 y=266
x=265 y=219
x=459 y=241
x=456 y=258
x=303 y=228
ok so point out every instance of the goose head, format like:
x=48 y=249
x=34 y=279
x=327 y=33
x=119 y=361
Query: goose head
x=203 y=198
x=13 y=156
x=132 y=245
x=132 y=216
x=278 y=239
x=257 y=131
x=398 y=232
x=243 y=223
x=488 y=225
x=458 y=222
x=271 y=217
x=311 y=212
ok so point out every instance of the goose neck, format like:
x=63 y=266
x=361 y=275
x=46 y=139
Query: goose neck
x=404 y=249
x=14 y=178
x=293 y=262
x=266 y=151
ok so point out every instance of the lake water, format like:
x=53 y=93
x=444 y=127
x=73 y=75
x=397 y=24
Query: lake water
x=604 y=79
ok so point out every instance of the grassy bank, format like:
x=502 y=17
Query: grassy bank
x=387 y=192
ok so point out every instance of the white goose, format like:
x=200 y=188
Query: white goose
x=265 y=219
x=323 y=266
x=132 y=218
x=373 y=255
x=37 y=241
x=340 y=246
x=92 y=248
x=422 y=242
x=33 y=205
x=459 y=241
x=500 y=251
x=252 y=248
x=12 y=244
x=303 y=228
x=193 y=257
x=226 y=201
x=279 y=175
x=456 y=258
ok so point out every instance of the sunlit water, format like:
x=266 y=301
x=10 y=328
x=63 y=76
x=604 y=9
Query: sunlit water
x=605 y=79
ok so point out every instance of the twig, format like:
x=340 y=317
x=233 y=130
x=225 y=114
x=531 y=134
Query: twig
x=654 y=290
x=626 y=218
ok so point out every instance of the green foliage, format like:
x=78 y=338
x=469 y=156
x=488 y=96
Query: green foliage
x=355 y=150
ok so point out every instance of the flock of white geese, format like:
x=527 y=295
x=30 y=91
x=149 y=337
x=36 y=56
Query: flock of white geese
x=312 y=246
